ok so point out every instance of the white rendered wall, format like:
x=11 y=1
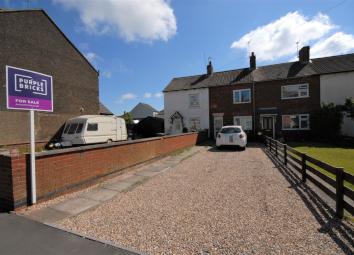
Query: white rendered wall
x=335 y=88
x=179 y=101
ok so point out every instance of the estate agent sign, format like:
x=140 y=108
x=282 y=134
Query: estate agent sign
x=32 y=91
x=28 y=90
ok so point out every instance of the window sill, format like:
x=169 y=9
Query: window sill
x=289 y=98
x=243 y=102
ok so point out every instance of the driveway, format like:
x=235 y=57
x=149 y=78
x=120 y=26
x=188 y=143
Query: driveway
x=219 y=202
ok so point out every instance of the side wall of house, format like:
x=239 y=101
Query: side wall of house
x=178 y=101
x=29 y=40
x=335 y=88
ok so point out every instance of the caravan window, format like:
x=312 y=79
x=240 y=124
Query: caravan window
x=92 y=126
x=66 y=128
x=72 y=128
x=79 y=128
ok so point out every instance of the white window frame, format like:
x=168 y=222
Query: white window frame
x=197 y=95
x=298 y=93
x=300 y=116
x=243 y=120
x=240 y=90
x=194 y=119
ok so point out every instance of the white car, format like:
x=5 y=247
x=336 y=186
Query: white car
x=231 y=135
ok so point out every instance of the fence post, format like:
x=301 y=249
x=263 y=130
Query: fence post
x=270 y=144
x=285 y=155
x=339 y=192
x=276 y=148
x=303 y=166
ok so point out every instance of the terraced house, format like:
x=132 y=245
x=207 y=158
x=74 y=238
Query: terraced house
x=276 y=100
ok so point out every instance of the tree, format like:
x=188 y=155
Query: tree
x=127 y=116
x=349 y=107
x=326 y=122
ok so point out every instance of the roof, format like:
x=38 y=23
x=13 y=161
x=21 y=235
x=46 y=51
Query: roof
x=142 y=110
x=316 y=66
x=104 y=110
x=55 y=25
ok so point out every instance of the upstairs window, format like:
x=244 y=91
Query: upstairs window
x=294 y=91
x=242 y=96
x=194 y=100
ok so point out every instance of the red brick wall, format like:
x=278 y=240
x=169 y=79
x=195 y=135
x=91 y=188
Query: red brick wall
x=63 y=170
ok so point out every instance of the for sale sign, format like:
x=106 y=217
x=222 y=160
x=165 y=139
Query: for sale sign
x=28 y=90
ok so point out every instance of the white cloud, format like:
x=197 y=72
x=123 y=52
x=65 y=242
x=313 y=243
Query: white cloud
x=158 y=95
x=92 y=57
x=107 y=74
x=336 y=44
x=128 y=96
x=130 y=19
x=147 y=95
x=278 y=38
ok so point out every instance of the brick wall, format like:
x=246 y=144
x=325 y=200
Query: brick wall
x=267 y=94
x=63 y=170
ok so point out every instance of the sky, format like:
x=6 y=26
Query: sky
x=139 y=46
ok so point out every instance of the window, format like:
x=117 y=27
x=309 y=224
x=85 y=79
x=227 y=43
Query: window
x=296 y=121
x=92 y=127
x=242 y=96
x=244 y=121
x=79 y=128
x=194 y=100
x=294 y=91
x=66 y=128
x=194 y=124
x=72 y=128
x=230 y=130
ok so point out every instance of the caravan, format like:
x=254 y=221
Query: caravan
x=90 y=129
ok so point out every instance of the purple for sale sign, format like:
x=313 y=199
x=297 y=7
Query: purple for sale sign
x=28 y=90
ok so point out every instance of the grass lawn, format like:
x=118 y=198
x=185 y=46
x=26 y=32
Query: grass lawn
x=335 y=156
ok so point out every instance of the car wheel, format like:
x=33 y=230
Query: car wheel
x=243 y=148
x=109 y=141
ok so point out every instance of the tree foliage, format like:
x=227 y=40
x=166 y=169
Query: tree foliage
x=349 y=107
x=326 y=122
x=127 y=116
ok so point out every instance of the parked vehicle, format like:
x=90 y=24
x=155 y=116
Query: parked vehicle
x=231 y=135
x=89 y=129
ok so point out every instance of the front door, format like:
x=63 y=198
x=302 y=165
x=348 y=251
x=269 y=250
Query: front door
x=177 y=126
x=218 y=123
x=268 y=125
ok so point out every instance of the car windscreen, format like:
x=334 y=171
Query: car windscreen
x=72 y=128
x=79 y=128
x=230 y=130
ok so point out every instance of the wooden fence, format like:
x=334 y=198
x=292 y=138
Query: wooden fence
x=310 y=167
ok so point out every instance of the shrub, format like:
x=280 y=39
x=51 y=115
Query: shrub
x=326 y=123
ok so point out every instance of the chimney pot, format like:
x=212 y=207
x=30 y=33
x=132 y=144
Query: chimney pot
x=304 y=54
x=253 y=63
x=209 y=68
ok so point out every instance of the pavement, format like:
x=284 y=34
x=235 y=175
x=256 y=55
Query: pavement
x=19 y=235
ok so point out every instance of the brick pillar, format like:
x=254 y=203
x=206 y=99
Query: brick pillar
x=13 y=182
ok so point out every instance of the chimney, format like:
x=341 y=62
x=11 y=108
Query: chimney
x=253 y=61
x=209 y=68
x=304 y=54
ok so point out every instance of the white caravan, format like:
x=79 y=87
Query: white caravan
x=89 y=129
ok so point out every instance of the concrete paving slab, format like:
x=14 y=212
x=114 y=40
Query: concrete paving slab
x=100 y=194
x=134 y=179
x=148 y=173
x=48 y=215
x=21 y=236
x=76 y=205
x=118 y=186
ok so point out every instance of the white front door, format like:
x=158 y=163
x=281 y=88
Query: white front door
x=218 y=123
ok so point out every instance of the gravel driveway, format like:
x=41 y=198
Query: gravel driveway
x=222 y=202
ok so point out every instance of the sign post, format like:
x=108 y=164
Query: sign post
x=33 y=91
